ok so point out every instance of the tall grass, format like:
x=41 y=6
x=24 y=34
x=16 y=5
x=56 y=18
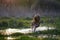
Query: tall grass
x=26 y=22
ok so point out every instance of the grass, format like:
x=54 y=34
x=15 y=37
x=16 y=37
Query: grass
x=25 y=23
x=14 y=22
x=32 y=36
x=28 y=38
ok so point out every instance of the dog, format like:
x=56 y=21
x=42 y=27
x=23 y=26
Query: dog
x=35 y=22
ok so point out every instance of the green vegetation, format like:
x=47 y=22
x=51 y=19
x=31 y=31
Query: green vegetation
x=12 y=22
x=15 y=22
x=51 y=21
x=6 y=22
x=28 y=38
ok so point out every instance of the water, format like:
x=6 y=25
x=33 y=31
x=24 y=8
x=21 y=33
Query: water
x=10 y=31
x=10 y=38
x=24 y=31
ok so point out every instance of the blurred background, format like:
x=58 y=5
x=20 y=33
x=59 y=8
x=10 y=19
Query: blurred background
x=16 y=17
x=27 y=8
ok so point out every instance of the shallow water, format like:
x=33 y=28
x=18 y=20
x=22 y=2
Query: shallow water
x=10 y=31
x=24 y=31
x=9 y=38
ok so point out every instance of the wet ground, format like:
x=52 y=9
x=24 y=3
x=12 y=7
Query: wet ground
x=25 y=31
